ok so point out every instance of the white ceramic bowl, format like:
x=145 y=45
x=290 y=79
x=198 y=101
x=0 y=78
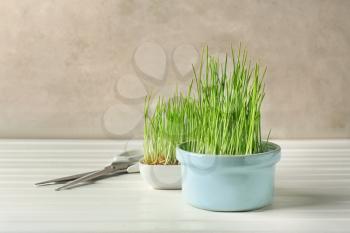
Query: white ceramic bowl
x=161 y=176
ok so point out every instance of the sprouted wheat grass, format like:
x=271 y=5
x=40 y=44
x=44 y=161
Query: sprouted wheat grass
x=219 y=114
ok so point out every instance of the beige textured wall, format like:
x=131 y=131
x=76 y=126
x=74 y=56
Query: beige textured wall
x=80 y=68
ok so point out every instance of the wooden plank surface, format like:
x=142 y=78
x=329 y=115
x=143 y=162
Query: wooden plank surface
x=312 y=192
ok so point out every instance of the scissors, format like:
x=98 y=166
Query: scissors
x=125 y=162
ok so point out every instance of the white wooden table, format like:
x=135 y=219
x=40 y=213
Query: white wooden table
x=312 y=193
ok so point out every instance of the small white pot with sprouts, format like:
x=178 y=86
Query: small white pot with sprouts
x=161 y=176
x=159 y=167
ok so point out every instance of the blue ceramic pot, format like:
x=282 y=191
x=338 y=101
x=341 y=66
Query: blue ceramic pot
x=228 y=183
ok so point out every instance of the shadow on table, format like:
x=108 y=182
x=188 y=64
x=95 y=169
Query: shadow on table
x=288 y=198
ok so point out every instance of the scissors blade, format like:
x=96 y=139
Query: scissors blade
x=63 y=179
x=83 y=179
x=113 y=168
